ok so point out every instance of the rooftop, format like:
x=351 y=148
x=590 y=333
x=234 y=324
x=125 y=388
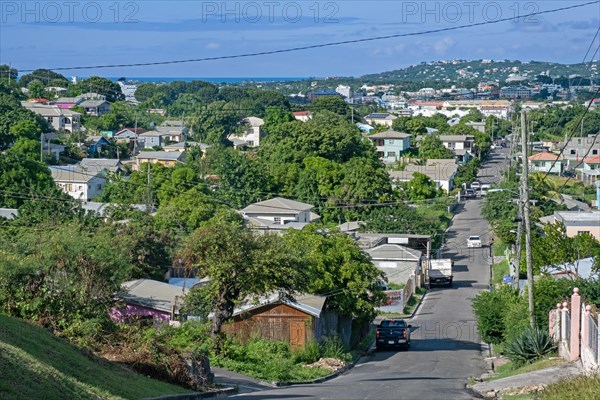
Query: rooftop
x=592 y=160
x=277 y=205
x=389 y=135
x=152 y=294
x=394 y=252
x=578 y=216
x=71 y=173
x=544 y=156
x=161 y=155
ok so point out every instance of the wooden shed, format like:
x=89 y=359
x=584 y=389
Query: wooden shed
x=278 y=318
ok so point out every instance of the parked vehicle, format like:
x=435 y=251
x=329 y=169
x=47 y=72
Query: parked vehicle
x=469 y=194
x=484 y=189
x=474 y=241
x=440 y=272
x=569 y=174
x=475 y=185
x=393 y=333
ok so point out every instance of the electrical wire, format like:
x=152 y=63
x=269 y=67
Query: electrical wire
x=319 y=45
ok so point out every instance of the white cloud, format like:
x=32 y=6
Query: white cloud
x=443 y=45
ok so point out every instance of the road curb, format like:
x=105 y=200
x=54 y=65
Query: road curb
x=198 y=395
x=335 y=374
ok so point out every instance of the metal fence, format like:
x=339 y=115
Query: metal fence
x=568 y=328
x=593 y=336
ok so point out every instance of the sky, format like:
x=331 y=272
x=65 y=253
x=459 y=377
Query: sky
x=51 y=34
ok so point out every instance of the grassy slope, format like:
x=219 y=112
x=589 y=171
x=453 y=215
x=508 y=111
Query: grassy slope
x=35 y=364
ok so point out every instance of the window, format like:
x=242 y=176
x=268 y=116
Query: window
x=277 y=220
x=573 y=152
x=380 y=142
x=98 y=187
x=594 y=152
x=391 y=154
x=579 y=233
x=391 y=141
x=50 y=119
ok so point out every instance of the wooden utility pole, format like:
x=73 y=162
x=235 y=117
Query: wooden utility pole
x=524 y=200
x=148 y=192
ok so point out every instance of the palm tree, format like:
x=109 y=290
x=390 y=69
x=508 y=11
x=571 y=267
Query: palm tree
x=547 y=186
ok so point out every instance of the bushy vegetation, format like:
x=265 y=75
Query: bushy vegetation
x=271 y=361
x=530 y=345
x=582 y=387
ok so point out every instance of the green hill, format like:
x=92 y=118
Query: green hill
x=35 y=364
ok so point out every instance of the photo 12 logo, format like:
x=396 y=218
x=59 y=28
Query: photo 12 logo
x=269 y=11
x=68 y=11
x=468 y=11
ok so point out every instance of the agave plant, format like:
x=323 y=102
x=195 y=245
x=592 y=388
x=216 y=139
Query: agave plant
x=530 y=345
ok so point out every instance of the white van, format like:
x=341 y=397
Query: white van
x=484 y=189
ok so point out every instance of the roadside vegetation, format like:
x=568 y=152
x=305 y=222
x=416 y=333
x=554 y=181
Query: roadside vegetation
x=583 y=387
x=60 y=370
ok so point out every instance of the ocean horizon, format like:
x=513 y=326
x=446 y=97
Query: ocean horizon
x=212 y=80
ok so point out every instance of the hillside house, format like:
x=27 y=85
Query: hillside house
x=578 y=222
x=390 y=145
x=302 y=115
x=442 y=172
x=253 y=133
x=166 y=158
x=279 y=213
x=380 y=119
x=96 y=108
x=77 y=183
x=545 y=162
x=149 y=300
x=590 y=172
x=59 y=119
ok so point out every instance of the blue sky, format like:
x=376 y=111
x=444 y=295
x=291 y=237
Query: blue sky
x=47 y=34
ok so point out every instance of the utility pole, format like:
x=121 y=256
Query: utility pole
x=526 y=216
x=148 y=193
x=42 y=147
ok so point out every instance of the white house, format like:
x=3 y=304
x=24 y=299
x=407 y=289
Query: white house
x=59 y=119
x=302 y=115
x=380 y=119
x=280 y=211
x=77 y=183
x=442 y=172
x=253 y=133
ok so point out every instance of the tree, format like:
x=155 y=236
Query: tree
x=102 y=86
x=16 y=121
x=240 y=265
x=242 y=179
x=45 y=76
x=184 y=213
x=337 y=265
x=420 y=187
x=214 y=123
x=432 y=147
x=335 y=104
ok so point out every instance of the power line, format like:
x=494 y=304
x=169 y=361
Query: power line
x=320 y=45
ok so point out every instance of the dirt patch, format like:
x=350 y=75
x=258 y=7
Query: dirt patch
x=331 y=364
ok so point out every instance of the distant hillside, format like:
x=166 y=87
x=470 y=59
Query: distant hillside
x=35 y=364
x=480 y=70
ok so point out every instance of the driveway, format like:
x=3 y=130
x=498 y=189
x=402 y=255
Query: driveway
x=445 y=349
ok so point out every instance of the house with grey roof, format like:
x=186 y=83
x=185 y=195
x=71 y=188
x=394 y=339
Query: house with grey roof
x=150 y=300
x=398 y=262
x=253 y=132
x=78 y=183
x=103 y=165
x=95 y=107
x=183 y=146
x=390 y=145
x=60 y=119
x=279 y=213
x=151 y=139
x=173 y=133
x=166 y=158
x=441 y=172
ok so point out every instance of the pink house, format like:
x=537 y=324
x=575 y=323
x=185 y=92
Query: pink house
x=66 y=103
x=148 y=299
x=578 y=222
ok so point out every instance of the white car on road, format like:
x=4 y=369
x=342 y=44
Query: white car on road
x=474 y=241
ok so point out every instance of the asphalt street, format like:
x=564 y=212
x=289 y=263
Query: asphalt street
x=446 y=348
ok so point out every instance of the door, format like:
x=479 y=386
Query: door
x=297 y=334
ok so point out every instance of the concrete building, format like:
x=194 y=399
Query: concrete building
x=390 y=145
x=577 y=222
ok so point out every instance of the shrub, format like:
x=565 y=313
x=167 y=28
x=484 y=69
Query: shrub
x=490 y=309
x=308 y=355
x=516 y=318
x=333 y=347
x=530 y=345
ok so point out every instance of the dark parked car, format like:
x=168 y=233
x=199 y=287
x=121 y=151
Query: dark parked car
x=569 y=174
x=393 y=333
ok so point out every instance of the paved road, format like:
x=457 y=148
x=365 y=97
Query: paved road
x=446 y=349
